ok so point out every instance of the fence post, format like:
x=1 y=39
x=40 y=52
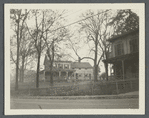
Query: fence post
x=92 y=87
x=117 y=88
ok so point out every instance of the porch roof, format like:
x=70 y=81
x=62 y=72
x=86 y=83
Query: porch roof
x=122 y=57
x=122 y=35
x=62 y=70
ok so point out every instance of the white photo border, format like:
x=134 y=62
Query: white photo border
x=140 y=111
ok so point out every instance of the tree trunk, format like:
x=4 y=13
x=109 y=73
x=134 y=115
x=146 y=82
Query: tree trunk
x=95 y=73
x=37 y=74
x=106 y=64
x=106 y=69
x=95 y=61
x=22 y=73
x=16 y=83
x=17 y=63
x=51 y=73
x=51 y=77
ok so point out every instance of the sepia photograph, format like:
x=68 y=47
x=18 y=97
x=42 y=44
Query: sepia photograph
x=74 y=59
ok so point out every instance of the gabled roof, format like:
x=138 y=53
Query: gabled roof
x=63 y=61
x=122 y=35
x=80 y=65
x=73 y=64
x=47 y=60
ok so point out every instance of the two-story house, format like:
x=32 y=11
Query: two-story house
x=83 y=70
x=124 y=55
x=63 y=70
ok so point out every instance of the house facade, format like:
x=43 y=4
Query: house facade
x=124 y=55
x=63 y=70
x=83 y=70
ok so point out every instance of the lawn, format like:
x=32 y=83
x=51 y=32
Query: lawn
x=58 y=88
x=65 y=88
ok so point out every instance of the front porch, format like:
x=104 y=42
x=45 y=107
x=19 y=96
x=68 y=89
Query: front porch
x=124 y=67
x=61 y=74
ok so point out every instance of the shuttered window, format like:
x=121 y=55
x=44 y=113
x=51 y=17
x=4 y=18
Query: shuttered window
x=119 y=49
x=133 y=45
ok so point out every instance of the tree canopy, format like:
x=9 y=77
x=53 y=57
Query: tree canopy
x=124 y=21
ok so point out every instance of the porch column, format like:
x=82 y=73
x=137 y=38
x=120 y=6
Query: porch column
x=74 y=75
x=123 y=68
x=44 y=75
x=110 y=69
x=66 y=74
x=59 y=74
x=114 y=70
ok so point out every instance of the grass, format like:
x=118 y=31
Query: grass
x=64 y=88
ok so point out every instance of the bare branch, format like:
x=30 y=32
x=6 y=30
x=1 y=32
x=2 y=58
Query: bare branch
x=11 y=55
x=87 y=58
x=100 y=58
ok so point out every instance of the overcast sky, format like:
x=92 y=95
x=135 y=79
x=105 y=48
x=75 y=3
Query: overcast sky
x=73 y=15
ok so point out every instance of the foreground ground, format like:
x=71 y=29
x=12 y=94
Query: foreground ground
x=131 y=103
x=74 y=88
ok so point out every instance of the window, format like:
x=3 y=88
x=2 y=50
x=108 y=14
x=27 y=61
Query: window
x=79 y=68
x=60 y=66
x=54 y=65
x=80 y=74
x=85 y=75
x=110 y=48
x=133 y=45
x=119 y=49
x=66 y=66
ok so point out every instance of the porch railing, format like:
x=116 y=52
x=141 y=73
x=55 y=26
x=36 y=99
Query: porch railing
x=120 y=77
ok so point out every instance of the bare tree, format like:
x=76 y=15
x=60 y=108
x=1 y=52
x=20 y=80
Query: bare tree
x=96 y=30
x=26 y=50
x=36 y=32
x=18 y=18
x=26 y=55
x=53 y=38
x=99 y=27
x=43 y=35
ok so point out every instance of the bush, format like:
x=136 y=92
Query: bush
x=77 y=88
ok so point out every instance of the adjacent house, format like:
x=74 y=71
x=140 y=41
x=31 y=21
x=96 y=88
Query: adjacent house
x=63 y=70
x=124 y=55
x=83 y=70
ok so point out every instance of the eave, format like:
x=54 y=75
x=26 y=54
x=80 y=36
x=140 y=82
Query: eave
x=116 y=59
